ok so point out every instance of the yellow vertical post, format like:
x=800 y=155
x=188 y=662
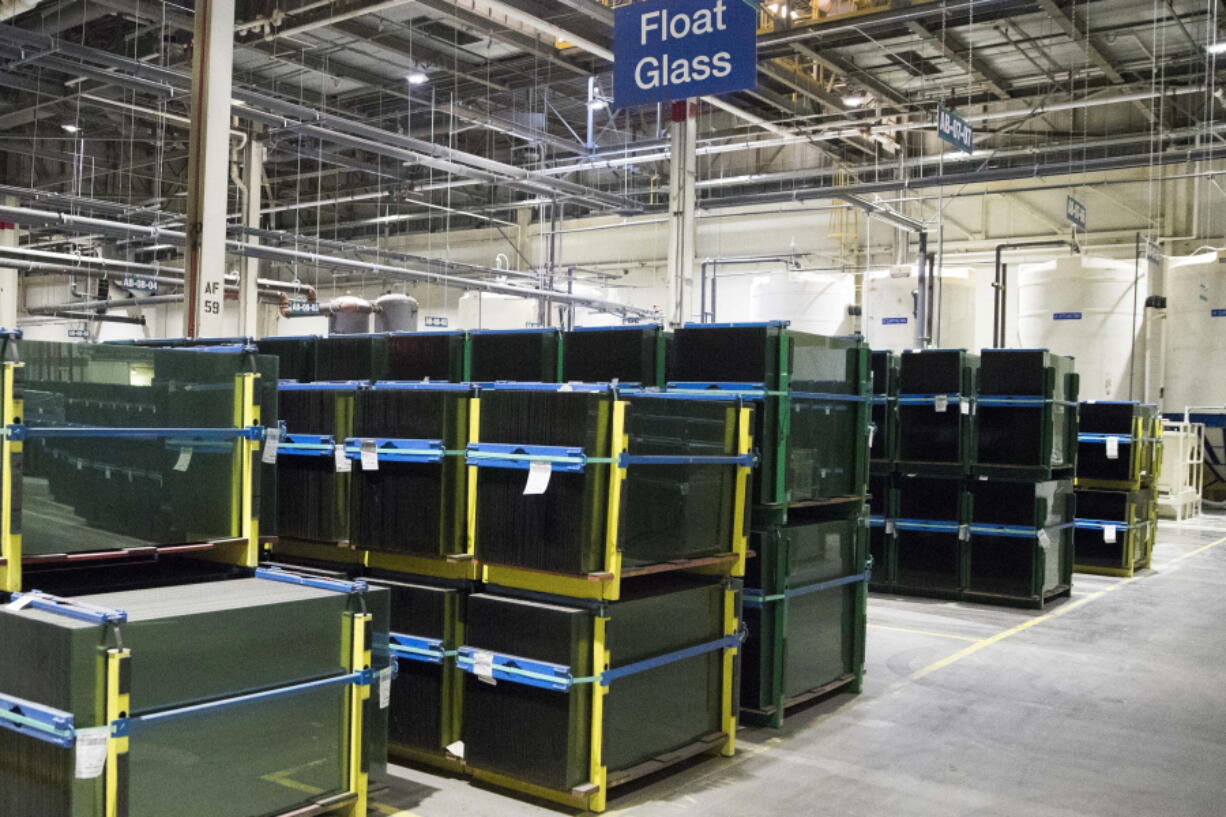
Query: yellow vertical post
x=10 y=520
x=474 y=430
x=731 y=626
x=598 y=799
x=118 y=707
x=617 y=473
x=740 y=537
x=246 y=526
x=358 y=659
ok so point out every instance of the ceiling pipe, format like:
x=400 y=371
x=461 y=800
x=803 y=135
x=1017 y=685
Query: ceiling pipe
x=138 y=320
x=75 y=223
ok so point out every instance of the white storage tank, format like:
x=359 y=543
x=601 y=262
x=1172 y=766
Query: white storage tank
x=889 y=308
x=396 y=313
x=1195 y=332
x=812 y=301
x=349 y=315
x=1092 y=309
x=492 y=310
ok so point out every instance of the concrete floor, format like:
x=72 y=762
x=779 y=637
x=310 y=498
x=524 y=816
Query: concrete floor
x=1107 y=704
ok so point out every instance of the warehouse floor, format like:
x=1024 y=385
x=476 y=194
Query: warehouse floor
x=1106 y=704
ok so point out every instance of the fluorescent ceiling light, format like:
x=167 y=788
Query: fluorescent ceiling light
x=417 y=77
x=70 y=128
x=1217 y=48
x=854 y=100
x=598 y=104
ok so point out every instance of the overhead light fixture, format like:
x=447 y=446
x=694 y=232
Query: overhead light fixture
x=1217 y=48
x=417 y=77
x=598 y=104
x=854 y=100
x=68 y=127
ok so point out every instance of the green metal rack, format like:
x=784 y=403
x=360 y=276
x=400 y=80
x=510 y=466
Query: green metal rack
x=936 y=391
x=883 y=450
x=1026 y=415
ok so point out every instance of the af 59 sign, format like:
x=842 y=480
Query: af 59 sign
x=666 y=50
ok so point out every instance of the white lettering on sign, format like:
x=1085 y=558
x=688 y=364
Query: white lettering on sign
x=680 y=24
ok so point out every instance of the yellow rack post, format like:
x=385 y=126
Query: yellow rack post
x=358 y=658
x=731 y=627
x=10 y=451
x=244 y=551
x=598 y=797
x=118 y=706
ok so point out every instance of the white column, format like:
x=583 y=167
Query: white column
x=682 y=226
x=249 y=272
x=208 y=168
x=8 y=277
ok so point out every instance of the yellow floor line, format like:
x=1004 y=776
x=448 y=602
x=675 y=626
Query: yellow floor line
x=1059 y=611
x=922 y=632
x=391 y=811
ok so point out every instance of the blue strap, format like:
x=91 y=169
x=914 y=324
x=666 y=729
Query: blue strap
x=278 y=574
x=756 y=598
x=568 y=459
x=927 y=524
x=1124 y=439
x=24 y=432
x=838 y=398
x=417 y=648
x=1099 y=524
x=726 y=643
x=743 y=460
x=360 y=678
x=1016 y=531
x=1020 y=401
x=69 y=608
x=306 y=445
x=45 y=723
x=920 y=399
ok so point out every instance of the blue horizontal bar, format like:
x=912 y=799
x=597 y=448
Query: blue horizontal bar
x=747 y=325
x=726 y=643
x=360 y=678
x=1124 y=439
x=35 y=720
x=417 y=648
x=581 y=388
x=1099 y=524
x=927 y=524
x=419 y=385
x=277 y=574
x=619 y=328
x=1022 y=402
x=514 y=668
x=829 y=396
x=568 y=459
x=427 y=334
x=322 y=385
x=915 y=399
x=756 y=598
x=742 y=460
x=391 y=449
x=534 y=330
x=1016 y=531
x=70 y=608
x=727 y=396
x=60 y=432
x=306 y=445
x=718 y=385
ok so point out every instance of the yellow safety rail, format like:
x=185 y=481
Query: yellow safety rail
x=10 y=450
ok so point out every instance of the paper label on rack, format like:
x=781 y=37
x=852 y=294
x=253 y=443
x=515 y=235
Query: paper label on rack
x=456 y=749
x=940 y=402
x=872 y=433
x=21 y=603
x=385 y=687
x=1044 y=539
x=1108 y=533
x=538 y=477
x=370 y=456
x=964 y=533
x=106 y=472
x=184 y=460
x=1113 y=448
x=566 y=387
x=91 y=751
x=965 y=406
x=272 y=440
x=80 y=464
x=343 y=466
x=483 y=666
x=834 y=541
x=889 y=526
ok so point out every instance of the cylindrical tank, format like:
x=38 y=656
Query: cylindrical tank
x=812 y=301
x=349 y=315
x=492 y=310
x=889 y=308
x=1195 y=332
x=1092 y=309
x=396 y=313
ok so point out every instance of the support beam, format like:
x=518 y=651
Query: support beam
x=952 y=48
x=8 y=276
x=249 y=271
x=879 y=89
x=682 y=209
x=208 y=168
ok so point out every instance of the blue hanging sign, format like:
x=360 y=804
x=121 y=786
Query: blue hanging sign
x=955 y=130
x=436 y=321
x=303 y=308
x=668 y=50
x=1075 y=212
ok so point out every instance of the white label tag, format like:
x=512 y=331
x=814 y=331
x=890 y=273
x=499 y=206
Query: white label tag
x=1044 y=539
x=538 y=477
x=343 y=466
x=1113 y=448
x=483 y=666
x=889 y=526
x=566 y=387
x=965 y=406
x=106 y=472
x=185 y=459
x=370 y=456
x=91 y=751
x=21 y=603
x=272 y=440
x=80 y=464
x=872 y=433
x=385 y=687
x=456 y=749
x=941 y=402
x=1108 y=533
x=964 y=532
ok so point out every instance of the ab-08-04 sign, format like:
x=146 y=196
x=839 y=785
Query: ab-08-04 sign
x=666 y=50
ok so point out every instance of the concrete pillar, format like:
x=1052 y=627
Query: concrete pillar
x=208 y=168
x=8 y=277
x=249 y=271
x=682 y=224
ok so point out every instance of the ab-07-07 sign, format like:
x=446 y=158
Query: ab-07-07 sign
x=666 y=50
